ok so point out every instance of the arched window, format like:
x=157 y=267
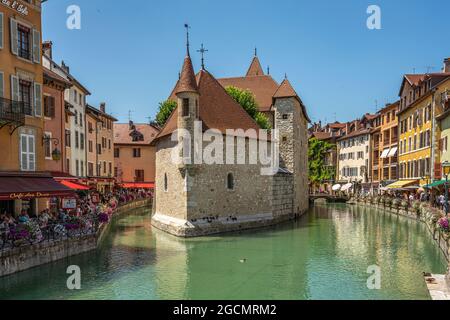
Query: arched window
x=165 y=182
x=230 y=181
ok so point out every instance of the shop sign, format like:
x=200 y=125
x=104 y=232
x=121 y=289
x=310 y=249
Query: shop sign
x=28 y=195
x=69 y=203
x=16 y=6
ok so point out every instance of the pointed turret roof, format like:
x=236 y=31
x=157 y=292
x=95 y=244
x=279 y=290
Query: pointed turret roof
x=285 y=90
x=187 y=81
x=255 y=68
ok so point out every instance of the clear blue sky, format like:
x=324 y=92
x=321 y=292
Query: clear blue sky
x=129 y=53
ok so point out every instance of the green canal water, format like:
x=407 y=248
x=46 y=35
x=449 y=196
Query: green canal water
x=324 y=255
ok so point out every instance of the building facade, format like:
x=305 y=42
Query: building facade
x=100 y=148
x=134 y=156
x=23 y=181
x=384 y=147
x=420 y=106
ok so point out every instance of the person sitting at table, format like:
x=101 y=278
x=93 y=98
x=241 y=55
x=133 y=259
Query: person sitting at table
x=24 y=217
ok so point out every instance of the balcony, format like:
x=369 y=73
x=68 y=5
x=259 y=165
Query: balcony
x=13 y=113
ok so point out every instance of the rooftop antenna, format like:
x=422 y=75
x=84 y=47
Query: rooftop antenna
x=202 y=51
x=335 y=118
x=268 y=70
x=376 y=105
x=414 y=70
x=187 y=37
x=429 y=68
x=130 y=113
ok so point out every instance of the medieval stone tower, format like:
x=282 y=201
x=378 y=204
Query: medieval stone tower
x=292 y=128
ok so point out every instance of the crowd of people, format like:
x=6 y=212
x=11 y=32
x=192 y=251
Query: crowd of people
x=91 y=210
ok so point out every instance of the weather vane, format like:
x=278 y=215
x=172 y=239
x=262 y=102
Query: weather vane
x=202 y=52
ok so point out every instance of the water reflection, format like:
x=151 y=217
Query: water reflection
x=324 y=255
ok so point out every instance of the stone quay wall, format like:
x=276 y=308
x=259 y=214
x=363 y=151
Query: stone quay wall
x=26 y=257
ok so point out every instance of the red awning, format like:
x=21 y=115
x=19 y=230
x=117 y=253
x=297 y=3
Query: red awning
x=73 y=185
x=30 y=186
x=138 y=185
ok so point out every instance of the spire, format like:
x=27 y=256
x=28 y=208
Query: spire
x=256 y=51
x=187 y=38
x=187 y=82
x=255 y=68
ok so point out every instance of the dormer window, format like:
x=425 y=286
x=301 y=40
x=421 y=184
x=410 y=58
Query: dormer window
x=185 y=109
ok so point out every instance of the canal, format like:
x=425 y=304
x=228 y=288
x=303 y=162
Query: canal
x=324 y=255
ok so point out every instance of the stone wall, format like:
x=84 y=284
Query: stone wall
x=23 y=258
x=283 y=195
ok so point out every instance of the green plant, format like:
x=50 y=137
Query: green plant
x=318 y=171
x=165 y=110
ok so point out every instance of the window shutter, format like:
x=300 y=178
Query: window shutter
x=31 y=154
x=14 y=37
x=36 y=46
x=37 y=99
x=2 y=28
x=15 y=88
x=52 y=107
x=2 y=85
x=23 y=153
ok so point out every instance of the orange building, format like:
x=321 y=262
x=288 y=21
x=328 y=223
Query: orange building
x=23 y=183
x=133 y=153
x=385 y=147
x=100 y=151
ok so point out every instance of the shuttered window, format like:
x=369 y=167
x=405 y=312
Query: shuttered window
x=38 y=99
x=15 y=96
x=27 y=152
x=14 y=36
x=2 y=85
x=36 y=46
x=2 y=28
x=49 y=107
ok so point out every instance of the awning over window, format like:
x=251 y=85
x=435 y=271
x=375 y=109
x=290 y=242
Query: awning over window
x=30 y=186
x=393 y=152
x=385 y=153
x=74 y=186
x=402 y=184
x=138 y=185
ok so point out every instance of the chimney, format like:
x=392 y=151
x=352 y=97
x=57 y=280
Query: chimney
x=65 y=67
x=103 y=107
x=47 y=48
x=446 y=65
x=132 y=127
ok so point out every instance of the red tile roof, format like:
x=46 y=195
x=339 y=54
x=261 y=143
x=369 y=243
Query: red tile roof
x=187 y=81
x=262 y=87
x=122 y=133
x=285 y=90
x=217 y=108
x=255 y=68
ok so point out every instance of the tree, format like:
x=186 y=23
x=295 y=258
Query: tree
x=165 y=110
x=247 y=101
x=318 y=171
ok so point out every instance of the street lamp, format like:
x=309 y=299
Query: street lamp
x=446 y=169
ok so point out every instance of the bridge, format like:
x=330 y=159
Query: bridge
x=328 y=197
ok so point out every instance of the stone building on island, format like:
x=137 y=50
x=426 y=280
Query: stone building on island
x=195 y=198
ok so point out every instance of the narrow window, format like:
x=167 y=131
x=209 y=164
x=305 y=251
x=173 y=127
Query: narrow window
x=185 y=108
x=230 y=181
x=165 y=182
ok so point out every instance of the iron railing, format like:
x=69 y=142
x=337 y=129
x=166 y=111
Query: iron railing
x=14 y=111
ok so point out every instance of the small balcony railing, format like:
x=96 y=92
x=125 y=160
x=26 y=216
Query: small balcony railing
x=13 y=112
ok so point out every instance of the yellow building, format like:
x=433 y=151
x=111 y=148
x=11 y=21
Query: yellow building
x=444 y=121
x=23 y=183
x=420 y=94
